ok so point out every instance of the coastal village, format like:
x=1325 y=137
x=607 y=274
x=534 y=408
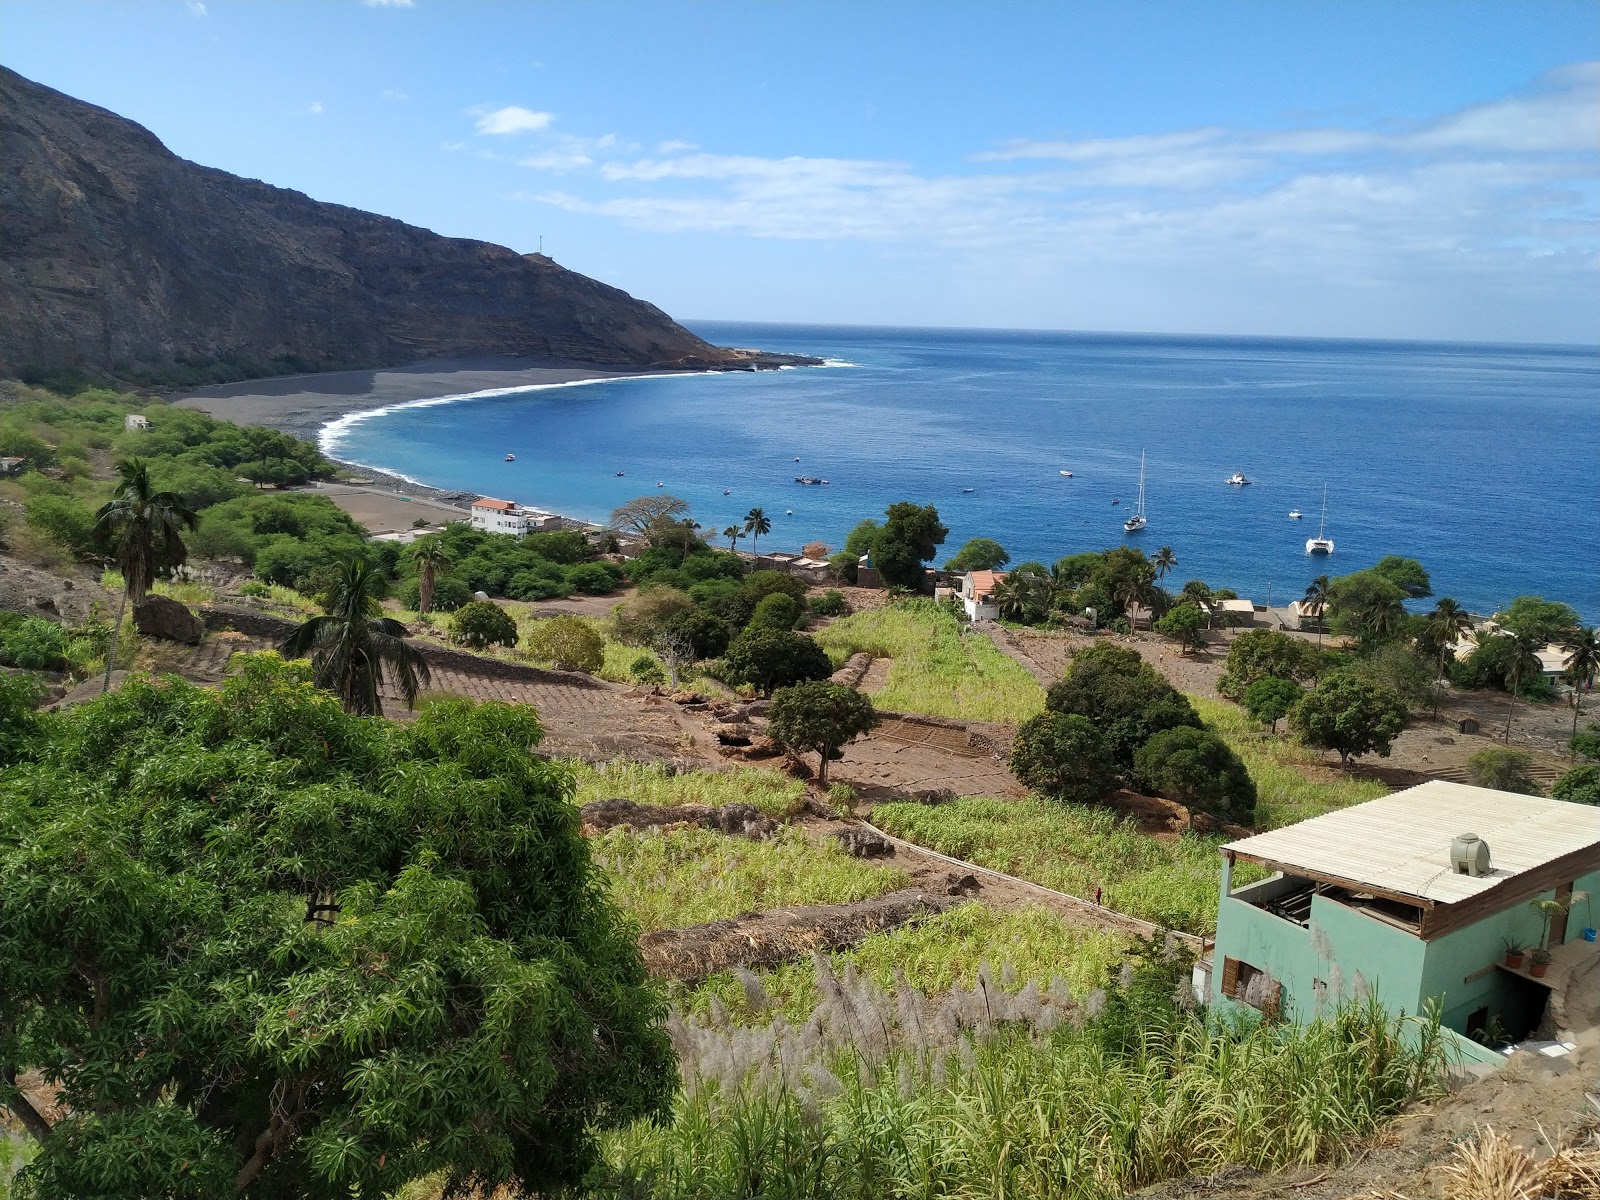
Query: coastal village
x=360 y=838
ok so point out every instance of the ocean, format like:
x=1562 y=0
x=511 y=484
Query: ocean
x=1482 y=461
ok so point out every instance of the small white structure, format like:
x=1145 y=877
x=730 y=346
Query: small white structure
x=1238 y=612
x=498 y=516
x=977 y=595
x=135 y=421
x=1307 y=614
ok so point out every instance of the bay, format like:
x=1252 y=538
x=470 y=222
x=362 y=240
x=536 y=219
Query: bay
x=1482 y=461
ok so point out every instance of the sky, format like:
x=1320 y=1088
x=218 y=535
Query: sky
x=1283 y=167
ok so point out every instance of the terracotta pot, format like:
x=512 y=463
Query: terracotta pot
x=1513 y=960
x=1537 y=970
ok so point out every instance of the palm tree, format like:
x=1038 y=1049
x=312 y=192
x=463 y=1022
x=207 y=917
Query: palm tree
x=1520 y=657
x=1582 y=665
x=1022 y=596
x=1317 y=597
x=756 y=523
x=1136 y=591
x=732 y=533
x=352 y=644
x=145 y=530
x=1164 y=561
x=1447 y=624
x=431 y=560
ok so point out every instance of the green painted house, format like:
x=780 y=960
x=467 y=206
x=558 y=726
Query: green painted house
x=1390 y=897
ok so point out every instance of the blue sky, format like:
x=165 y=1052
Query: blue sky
x=1341 y=169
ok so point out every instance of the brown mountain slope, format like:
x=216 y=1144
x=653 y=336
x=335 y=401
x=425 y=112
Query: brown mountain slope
x=115 y=254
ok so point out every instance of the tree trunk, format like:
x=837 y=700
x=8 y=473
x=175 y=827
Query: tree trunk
x=116 y=633
x=1577 y=707
x=1510 y=709
x=822 y=768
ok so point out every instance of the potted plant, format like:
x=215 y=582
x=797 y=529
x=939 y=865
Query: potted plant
x=1513 y=953
x=1538 y=962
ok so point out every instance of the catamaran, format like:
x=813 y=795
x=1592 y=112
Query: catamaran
x=1237 y=479
x=1321 y=544
x=1137 y=522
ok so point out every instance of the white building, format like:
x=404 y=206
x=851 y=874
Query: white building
x=135 y=421
x=498 y=516
x=977 y=595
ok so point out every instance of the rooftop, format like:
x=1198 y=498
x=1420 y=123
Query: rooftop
x=497 y=505
x=1400 y=844
x=983 y=582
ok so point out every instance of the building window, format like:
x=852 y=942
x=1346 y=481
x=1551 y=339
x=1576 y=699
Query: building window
x=1247 y=984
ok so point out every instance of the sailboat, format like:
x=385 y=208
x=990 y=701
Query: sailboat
x=1137 y=522
x=1321 y=544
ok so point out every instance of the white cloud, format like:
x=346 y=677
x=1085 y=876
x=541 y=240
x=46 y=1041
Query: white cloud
x=512 y=119
x=195 y=7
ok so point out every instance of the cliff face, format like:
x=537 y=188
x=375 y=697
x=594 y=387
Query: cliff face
x=114 y=253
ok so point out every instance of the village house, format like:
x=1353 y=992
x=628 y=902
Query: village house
x=977 y=595
x=1306 y=615
x=11 y=466
x=1415 y=898
x=502 y=516
x=134 y=421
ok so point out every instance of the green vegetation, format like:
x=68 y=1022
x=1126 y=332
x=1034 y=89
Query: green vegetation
x=911 y=535
x=690 y=876
x=1503 y=770
x=276 y=906
x=1271 y=698
x=978 y=554
x=566 y=643
x=648 y=783
x=1031 y=945
x=1258 y=654
x=1350 y=715
x=820 y=718
x=938 y=669
x=481 y=624
x=873 y=1096
x=1063 y=757
x=1199 y=770
x=1074 y=849
x=1125 y=698
x=1183 y=624
x=1579 y=785
x=766 y=659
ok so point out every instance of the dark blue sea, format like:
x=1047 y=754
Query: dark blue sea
x=1483 y=461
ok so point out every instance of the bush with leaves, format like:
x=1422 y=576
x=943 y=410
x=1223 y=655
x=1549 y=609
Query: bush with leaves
x=978 y=554
x=776 y=611
x=1579 y=785
x=481 y=624
x=318 y=971
x=595 y=578
x=1123 y=696
x=1271 y=698
x=758 y=585
x=32 y=643
x=1184 y=624
x=449 y=594
x=1503 y=770
x=645 y=671
x=1199 y=770
x=1586 y=742
x=640 y=619
x=1064 y=757
x=1349 y=715
x=830 y=604
x=773 y=658
x=819 y=717
x=1263 y=654
x=698 y=631
x=567 y=643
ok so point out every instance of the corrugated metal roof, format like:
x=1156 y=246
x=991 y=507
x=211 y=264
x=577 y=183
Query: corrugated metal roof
x=1401 y=843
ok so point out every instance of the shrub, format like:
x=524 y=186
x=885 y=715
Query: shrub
x=978 y=554
x=1123 y=696
x=1271 y=698
x=483 y=623
x=1263 y=654
x=545 y=581
x=1503 y=770
x=1196 y=768
x=254 y=587
x=1580 y=785
x=776 y=611
x=1349 y=715
x=1064 y=757
x=34 y=644
x=1586 y=742
x=819 y=716
x=639 y=619
x=1183 y=623
x=773 y=658
x=568 y=644
x=645 y=670
x=595 y=578
x=830 y=604
x=449 y=594
x=758 y=585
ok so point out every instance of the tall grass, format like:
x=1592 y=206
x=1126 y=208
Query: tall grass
x=944 y=951
x=650 y=783
x=1074 y=849
x=940 y=668
x=1035 y=1094
x=1292 y=781
x=690 y=876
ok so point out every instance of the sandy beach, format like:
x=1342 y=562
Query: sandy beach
x=303 y=404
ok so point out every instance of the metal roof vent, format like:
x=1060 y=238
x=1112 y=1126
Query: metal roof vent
x=1469 y=855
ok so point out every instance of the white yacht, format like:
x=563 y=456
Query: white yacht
x=1295 y=514
x=1237 y=479
x=1068 y=474
x=511 y=458
x=1137 y=522
x=1321 y=544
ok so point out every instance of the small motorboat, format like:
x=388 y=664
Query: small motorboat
x=1114 y=500
x=660 y=484
x=1295 y=514
x=1237 y=479
x=511 y=458
x=968 y=491
x=727 y=491
x=788 y=512
x=1068 y=474
x=809 y=480
x=797 y=460
x=620 y=474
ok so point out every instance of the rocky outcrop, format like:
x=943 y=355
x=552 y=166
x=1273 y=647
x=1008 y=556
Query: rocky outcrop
x=118 y=256
x=163 y=617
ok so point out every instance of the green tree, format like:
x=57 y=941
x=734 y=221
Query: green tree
x=1587 y=743
x=772 y=658
x=353 y=644
x=63 y=521
x=1266 y=654
x=1398 y=667
x=863 y=538
x=1579 y=785
x=757 y=524
x=568 y=643
x=1518 y=656
x=758 y=585
x=822 y=717
x=643 y=515
x=1270 y=699
x=639 y=620
x=1063 y=756
x=1198 y=769
x=318 y=969
x=1125 y=699
x=1164 y=561
x=1446 y=625
x=979 y=554
x=1580 y=666
x=1503 y=770
x=1366 y=604
x=144 y=529
x=483 y=623
x=1317 y=597
x=432 y=560
x=1184 y=623
x=1407 y=574
x=1349 y=715
x=776 y=611
x=1023 y=596
x=911 y=536
x=733 y=533
x=1538 y=620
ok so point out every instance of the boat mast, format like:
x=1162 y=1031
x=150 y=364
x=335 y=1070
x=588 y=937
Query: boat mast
x=1322 y=523
x=1141 y=483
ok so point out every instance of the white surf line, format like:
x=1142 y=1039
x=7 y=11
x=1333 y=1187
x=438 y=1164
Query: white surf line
x=1089 y=906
